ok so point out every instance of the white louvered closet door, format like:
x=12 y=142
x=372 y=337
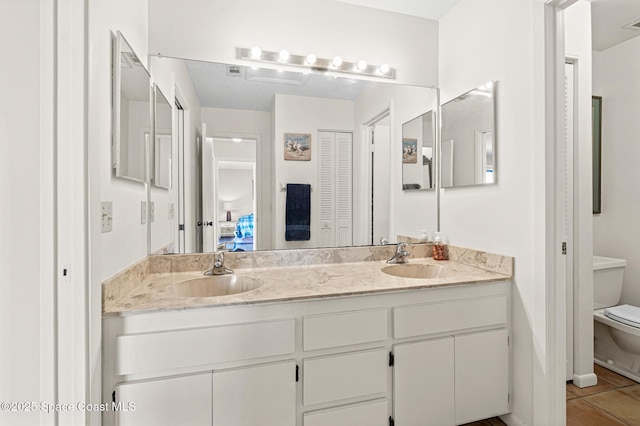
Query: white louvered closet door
x=336 y=189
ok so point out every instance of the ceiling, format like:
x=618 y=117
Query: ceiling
x=217 y=87
x=608 y=16
x=429 y=9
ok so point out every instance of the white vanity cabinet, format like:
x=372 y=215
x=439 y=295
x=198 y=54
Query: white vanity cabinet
x=481 y=375
x=183 y=400
x=457 y=378
x=420 y=357
x=262 y=395
x=423 y=382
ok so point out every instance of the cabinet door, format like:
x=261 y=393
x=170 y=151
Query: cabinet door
x=371 y=413
x=482 y=375
x=184 y=400
x=263 y=395
x=423 y=377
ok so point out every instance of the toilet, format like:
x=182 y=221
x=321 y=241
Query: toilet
x=616 y=327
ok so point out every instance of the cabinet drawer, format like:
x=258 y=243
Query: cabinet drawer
x=147 y=352
x=344 y=328
x=352 y=375
x=418 y=320
x=372 y=413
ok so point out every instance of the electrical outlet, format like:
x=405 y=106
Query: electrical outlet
x=107 y=216
x=171 y=211
x=152 y=212
x=143 y=212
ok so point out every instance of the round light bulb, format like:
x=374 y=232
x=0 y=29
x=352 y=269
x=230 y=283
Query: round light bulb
x=311 y=59
x=284 y=55
x=384 y=68
x=337 y=61
x=256 y=52
x=362 y=65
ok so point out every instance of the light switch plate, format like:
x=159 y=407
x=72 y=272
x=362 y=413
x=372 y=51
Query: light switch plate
x=152 y=212
x=107 y=216
x=143 y=212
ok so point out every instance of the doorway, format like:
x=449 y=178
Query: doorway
x=378 y=131
x=236 y=193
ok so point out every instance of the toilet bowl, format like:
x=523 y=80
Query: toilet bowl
x=616 y=327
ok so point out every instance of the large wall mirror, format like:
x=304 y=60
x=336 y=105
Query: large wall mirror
x=468 y=139
x=250 y=133
x=418 y=147
x=131 y=112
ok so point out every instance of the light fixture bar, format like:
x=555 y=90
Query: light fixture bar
x=319 y=65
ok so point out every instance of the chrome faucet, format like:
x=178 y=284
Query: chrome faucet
x=217 y=267
x=401 y=254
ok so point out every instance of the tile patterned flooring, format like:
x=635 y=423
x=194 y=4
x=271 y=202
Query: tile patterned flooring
x=614 y=401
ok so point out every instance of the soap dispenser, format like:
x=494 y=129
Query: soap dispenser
x=440 y=249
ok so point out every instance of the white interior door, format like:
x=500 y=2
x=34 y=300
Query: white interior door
x=336 y=189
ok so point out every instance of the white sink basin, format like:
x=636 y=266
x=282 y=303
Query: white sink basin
x=217 y=285
x=412 y=270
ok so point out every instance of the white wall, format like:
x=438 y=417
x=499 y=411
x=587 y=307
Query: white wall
x=26 y=218
x=235 y=185
x=301 y=114
x=509 y=217
x=578 y=47
x=211 y=30
x=617 y=226
x=127 y=242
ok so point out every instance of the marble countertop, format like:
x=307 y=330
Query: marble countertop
x=291 y=283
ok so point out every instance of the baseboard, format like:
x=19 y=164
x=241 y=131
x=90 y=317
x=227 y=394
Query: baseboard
x=512 y=420
x=585 y=380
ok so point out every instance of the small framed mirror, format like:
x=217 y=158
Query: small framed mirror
x=418 y=136
x=131 y=112
x=468 y=139
x=161 y=153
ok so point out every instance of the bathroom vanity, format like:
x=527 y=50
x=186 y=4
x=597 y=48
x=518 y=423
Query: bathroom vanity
x=317 y=344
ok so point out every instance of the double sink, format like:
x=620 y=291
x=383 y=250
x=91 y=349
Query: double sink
x=224 y=285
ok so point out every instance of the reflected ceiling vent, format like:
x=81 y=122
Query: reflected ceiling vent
x=635 y=25
x=234 y=71
x=276 y=76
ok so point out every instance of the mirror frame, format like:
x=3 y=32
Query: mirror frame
x=118 y=41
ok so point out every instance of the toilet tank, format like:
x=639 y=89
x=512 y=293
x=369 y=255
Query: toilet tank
x=607 y=281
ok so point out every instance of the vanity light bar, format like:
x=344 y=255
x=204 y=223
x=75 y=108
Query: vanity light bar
x=313 y=63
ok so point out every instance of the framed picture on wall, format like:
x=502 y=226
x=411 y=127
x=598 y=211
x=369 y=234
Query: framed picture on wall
x=297 y=146
x=409 y=150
